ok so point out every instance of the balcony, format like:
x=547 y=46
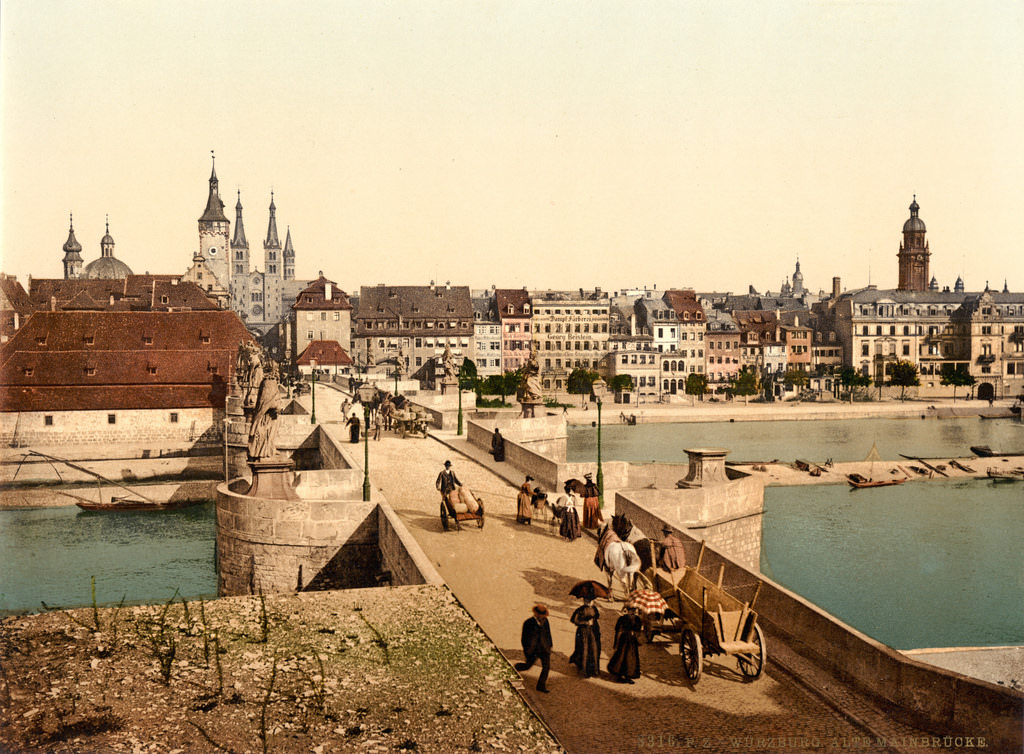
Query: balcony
x=986 y=358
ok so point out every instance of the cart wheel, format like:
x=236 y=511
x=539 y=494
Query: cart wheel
x=752 y=663
x=691 y=654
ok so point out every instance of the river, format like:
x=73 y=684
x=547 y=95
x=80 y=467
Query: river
x=929 y=564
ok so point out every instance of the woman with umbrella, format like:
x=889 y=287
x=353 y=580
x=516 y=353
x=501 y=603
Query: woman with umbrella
x=625 y=663
x=586 y=654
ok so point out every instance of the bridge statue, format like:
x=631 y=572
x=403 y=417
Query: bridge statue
x=529 y=386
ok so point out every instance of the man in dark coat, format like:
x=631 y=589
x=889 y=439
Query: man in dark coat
x=536 y=642
x=446 y=484
x=498 y=445
x=672 y=555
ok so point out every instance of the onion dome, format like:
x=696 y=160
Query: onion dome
x=71 y=246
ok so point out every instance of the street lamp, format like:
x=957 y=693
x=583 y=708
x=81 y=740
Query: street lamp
x=458 y=389
x=312 y=392
x=599 y=389
x=366 y=392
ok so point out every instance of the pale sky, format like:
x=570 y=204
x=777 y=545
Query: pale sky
x=517 y=142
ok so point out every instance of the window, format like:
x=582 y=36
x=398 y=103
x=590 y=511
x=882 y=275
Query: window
x=111 y=418
x=147 y=340
x=204 y=339
x=48 y=420
x=337 y=316
x=309 y=335
x=151 y=370
x=27 y=371
x=90 y=371
x=174 y=417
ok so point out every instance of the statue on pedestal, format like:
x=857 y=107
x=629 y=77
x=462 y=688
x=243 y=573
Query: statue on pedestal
x=529 y=386
x=263 y=429
x=249 y=372
x=451 y=378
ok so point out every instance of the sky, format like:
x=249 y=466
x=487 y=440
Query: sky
x=546 y=144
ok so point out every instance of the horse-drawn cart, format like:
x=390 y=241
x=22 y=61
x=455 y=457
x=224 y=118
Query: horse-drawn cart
x=709 y=621
x=410 y=422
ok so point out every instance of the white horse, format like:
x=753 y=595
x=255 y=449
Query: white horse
x=623 y=562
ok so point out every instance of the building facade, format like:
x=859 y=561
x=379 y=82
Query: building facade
x=570 y=331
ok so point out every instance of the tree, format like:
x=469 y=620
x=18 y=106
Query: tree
x=745 y=384
x=620 y=382
x=468 y=378
x=696 y=384
x=851 y=378
x=501 y=384
x=796 y=378
x=957 y=376
x=580 y=382
x=903 y=374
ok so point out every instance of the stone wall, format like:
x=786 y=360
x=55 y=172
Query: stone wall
x=288 y=545
x=938 y=700
x=400 y=554
x=192 y=425
x=297 y=439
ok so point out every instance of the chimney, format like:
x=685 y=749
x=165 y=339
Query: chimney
x=836 y=290
x=53 y=303
x=327 y=291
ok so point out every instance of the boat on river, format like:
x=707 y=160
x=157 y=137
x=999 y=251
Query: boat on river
x=984 y=451
x=1010 y=475
x=859 y=481
x=129 y=504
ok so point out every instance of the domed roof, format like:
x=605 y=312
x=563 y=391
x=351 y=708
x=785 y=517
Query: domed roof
x=107 y=268
x=71 y=246
x=914 y=223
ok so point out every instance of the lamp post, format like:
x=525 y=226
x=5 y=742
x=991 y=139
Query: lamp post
x=312 y=392
x=366 y=392
x=599 y=389
x=458 y=389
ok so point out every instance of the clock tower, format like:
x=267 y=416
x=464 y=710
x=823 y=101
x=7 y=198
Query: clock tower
x=213 y=234
x=913 y=255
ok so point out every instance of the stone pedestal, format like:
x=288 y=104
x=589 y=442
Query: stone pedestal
x=529 y=408
x=448 y=386
x=707 y=466
x=273 y=479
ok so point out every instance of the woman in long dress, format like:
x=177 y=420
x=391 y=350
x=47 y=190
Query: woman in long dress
x=625 y=662
x=591 y=503
x=586 y=655
x=569 y=528
x=524 y=503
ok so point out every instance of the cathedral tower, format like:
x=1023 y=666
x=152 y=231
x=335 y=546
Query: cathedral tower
x=72 y=254
x=913 y=255
x=289 y=256
x=272 y=246
x=213 y=234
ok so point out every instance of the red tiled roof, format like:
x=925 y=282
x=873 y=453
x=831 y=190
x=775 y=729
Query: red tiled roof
x=326 y=353
x=684 y=303
x=314 y=296
x=99 y=360
x=517 y=298
x=134 y=293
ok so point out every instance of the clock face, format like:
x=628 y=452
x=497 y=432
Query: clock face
x=213 y=251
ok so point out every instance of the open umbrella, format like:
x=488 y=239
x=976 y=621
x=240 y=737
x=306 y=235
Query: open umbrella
x=647 y=602
x=589 y=590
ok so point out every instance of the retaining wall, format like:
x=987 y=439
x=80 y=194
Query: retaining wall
x=938 y=700
x=179 y=425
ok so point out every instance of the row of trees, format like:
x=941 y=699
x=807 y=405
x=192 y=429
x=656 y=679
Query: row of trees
x=902 y=374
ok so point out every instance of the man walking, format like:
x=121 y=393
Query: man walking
x=536 y=642
x=446 y=484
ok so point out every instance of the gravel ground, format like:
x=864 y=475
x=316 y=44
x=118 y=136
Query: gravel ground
x=402 y=669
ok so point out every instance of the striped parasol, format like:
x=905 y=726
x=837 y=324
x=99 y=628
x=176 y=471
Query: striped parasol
x=647 y=602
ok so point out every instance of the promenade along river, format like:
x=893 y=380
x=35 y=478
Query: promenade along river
x=927 y=564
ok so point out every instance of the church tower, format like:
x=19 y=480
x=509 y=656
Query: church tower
x=272 y=259
x=289 y=256
x=72 y=254
x=239 y=262
x=913 y=255
x=213 y=234
x=798 y=281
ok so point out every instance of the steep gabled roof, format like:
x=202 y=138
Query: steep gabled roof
x=314 y=296
x=327 y=353
x=517 y=298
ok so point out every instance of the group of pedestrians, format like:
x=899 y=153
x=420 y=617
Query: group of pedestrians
x=624 y=664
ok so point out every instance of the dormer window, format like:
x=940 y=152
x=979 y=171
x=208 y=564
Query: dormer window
x=147 y=340
x=27 y=371
x=151 y=370
x=89 y=339
x=90 y=371
x=164 y=299
x=204 y=338
x=40 y=340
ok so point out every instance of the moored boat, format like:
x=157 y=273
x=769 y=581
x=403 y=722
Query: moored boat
x=129 y=504
x=858 y=481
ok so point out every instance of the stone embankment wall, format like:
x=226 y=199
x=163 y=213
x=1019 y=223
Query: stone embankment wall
x=941 y=701
x=325 y=539
x=182 y=425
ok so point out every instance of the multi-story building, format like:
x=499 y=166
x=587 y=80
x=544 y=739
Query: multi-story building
x=657 y=318
x=689 y=356
x=798 y=338
x=416 y=321
x=722 y=354
x=487 y=335
x=631 y=352
x=515 y=314
x=73 y=377
x=321 y=312
x=570 y=331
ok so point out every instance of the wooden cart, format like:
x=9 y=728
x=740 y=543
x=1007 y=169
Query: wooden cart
x=451 y=517
x=709 y=620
